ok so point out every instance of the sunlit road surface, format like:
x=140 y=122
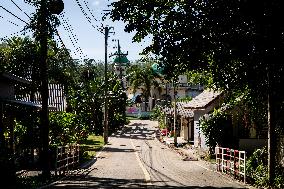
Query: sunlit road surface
x=134 y=158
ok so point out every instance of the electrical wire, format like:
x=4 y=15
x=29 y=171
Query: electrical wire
x=12 y=14
x=9 y=21
x=13 y=34
x=86 y=4
x=76 y=39
x=87 y=17
x=73 y=37
x=68 y=29
x=20 y=9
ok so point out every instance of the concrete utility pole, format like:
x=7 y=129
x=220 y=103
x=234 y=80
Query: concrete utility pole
x=106 y=32
x=55 y=7
x=175 y=115
x=43 y=32
x=271 y=127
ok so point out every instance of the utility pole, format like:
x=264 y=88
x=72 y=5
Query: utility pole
x=43 y=33
x=106 y=33
x=175 y=115
x=55 y=7
x=271 y=126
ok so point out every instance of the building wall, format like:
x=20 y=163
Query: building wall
x=182 y=79
x=199 y=137
x=186 y=129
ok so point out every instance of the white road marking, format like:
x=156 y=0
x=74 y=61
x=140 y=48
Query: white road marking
x=146 y=173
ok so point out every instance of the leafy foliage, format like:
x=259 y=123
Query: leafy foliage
x=65 y=128
x=159 y=115
x=257 y=170
x=232 y=42
x=257 y=167
x=35 y=22
x=214 y=129
x=228 y=38
x=142 y=76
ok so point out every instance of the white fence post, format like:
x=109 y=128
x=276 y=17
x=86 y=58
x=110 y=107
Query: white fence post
x=231 y=162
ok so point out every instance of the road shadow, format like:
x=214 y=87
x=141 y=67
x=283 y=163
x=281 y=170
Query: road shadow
x=77 y=182
x=136 y=131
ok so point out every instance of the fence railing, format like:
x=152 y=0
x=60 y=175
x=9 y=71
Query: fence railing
x=231 y=162
x=67 y=158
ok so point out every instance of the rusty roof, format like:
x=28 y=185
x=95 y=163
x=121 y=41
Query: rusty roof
x=203 y=100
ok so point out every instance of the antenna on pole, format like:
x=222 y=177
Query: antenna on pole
x=120 y=55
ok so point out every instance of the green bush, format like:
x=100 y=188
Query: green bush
x=256 y=167
x=215 y=130
x=65 y=128
x=158 y=114
x=279 y=178
x=257 y=170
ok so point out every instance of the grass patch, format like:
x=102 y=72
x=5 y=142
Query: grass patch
x=210 y=158
x=132 y=118
x=90 y=147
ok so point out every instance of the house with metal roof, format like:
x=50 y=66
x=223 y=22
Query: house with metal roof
x=202 y=104
x=189 y=113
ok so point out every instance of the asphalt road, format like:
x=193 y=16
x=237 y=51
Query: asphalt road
x=134 y=158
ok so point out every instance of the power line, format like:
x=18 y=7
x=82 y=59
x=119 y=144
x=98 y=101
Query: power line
x=68 y=31
x=12 y=14
x=73 y=37
x=87 y=17
x=89 y=10
x=9 y=21
x=20 y=9
x=60 y=39
x=13 y=34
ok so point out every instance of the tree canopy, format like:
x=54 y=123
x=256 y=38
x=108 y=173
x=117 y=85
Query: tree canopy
x=236 y=40
x=239 y=42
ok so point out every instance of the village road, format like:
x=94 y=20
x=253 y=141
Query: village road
x=134 y=158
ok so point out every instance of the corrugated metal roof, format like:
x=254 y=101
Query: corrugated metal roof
x=202 y=100
x=180 y=110
x=25 y=103
x=13 y=78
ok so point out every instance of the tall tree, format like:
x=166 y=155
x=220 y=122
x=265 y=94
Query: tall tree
x=240 y=42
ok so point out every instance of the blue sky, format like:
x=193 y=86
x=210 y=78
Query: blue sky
x=89 y=40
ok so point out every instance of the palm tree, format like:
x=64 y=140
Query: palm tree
x=142 y=77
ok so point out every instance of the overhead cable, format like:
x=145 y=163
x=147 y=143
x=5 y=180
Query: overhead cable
x=20 y=9
x=13 y=34
x=87 y=17
x=12 y=14
x=9 y=21
x=73 y=37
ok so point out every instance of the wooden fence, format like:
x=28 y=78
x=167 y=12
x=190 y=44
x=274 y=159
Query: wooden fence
x=231 y=162
x=67 y=158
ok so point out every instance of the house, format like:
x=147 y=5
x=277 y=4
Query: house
x=202 y=104
x=8 y=95
x=189 y=113
x=164 y=93
x=244 y=133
